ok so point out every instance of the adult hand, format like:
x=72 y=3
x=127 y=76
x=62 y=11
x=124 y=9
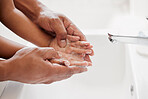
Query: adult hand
x=59 y=25
x=30 y=65
x=53 y=23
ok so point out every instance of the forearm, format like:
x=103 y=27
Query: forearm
x=25 y=28
x=8 y=48
x=31 y=8
x=2 y=70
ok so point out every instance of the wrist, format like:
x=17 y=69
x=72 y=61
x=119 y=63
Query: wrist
x=44 y=11
x=3 y=70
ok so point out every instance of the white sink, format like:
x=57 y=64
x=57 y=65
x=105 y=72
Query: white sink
x=111 y=76
x=139 y=61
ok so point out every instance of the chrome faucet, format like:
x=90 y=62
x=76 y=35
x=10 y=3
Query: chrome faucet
x=141 y=39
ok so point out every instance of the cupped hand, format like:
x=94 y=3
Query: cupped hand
x=74 y=52
x=30 y=65
x=58 y=25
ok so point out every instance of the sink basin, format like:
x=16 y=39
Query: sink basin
x=110 y=77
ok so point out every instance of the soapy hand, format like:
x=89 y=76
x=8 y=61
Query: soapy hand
x=58 y=25
x=74 y=52
x=30 y=65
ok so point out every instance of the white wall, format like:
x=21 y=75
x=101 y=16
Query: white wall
x=139 y=7
x=90 y=14
x=86 y=14
x=136 y=21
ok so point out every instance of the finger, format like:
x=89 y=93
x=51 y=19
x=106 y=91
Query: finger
x=68 y=71
x=87 y=58
x=82 y=55
x=85 y=45
x=61 y=33
x=77 y=32
x=90 y=64
x=92 y=54
x=58 y=79
x=82 y=44
x=77 y=63
x=60 y=61
x=70 y=31
x=77 y=50
x=69 y=25
x=88 y=47
x=73 y=38
x=62 y=72
x=48 y=53
x=76 y=70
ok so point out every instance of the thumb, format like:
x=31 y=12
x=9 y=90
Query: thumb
x=61 y=34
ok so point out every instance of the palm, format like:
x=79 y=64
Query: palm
x=74 y=52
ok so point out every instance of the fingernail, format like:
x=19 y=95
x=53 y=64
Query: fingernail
x=89 y=52
x=63 y=43
x=66 y=63
x=86 y=43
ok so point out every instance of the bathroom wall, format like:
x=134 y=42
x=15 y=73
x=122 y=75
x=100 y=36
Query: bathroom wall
x=90 y=14
x=86 y=14
x=139 y=7
x=133 y=23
